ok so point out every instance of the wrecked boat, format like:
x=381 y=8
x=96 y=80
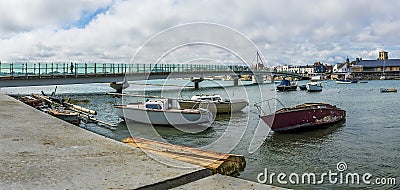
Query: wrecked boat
x=302 y=117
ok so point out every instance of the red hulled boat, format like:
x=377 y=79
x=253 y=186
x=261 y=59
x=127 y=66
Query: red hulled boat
x=303 y=117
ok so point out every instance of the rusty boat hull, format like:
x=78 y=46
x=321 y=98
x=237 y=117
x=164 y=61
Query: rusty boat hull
x=304 y=117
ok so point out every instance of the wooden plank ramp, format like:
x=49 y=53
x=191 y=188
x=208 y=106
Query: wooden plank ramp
x=226 y=164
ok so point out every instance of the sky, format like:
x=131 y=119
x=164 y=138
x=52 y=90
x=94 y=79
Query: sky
x=293 y=32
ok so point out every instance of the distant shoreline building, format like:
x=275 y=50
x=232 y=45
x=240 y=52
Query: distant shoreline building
x=372 y=69
x=317 y=68
x=359 y=68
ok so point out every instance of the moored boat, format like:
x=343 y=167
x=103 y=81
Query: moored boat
x=162 y=112
x=316 y=78
x=314 y=86
x=303 y=87
x=31 y=101
x=66 y=115
x=303 y=117
x=287 y=85
x=213 y=103
x=345 y=81
x=384 y=90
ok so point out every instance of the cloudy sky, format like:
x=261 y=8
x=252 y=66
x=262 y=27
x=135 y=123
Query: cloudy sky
x=284 y=31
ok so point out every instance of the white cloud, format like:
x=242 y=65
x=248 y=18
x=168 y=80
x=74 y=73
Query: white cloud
x=286 y=31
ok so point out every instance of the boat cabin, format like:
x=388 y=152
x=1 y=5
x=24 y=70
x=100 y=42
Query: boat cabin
x=161 y=104
x=285 y=82
x=213 y=98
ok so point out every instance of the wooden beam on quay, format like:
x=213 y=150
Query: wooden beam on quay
x=226 y=164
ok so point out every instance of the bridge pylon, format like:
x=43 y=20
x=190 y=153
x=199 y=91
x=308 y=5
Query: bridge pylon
x=196 y=81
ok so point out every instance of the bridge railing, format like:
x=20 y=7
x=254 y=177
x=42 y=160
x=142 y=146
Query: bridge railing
x=52 y=69
x=45 y=69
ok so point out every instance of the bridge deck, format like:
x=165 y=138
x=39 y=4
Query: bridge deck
x=31 y=74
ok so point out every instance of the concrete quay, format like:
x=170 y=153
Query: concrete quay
x=39 y=151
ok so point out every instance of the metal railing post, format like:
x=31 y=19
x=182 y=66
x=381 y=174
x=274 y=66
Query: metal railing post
x=39 y=69
x=85 y=68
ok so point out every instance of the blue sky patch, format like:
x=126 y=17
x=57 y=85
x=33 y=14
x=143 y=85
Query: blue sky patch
x=85 y=18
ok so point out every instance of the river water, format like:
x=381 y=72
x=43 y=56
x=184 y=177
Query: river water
x=368 y=142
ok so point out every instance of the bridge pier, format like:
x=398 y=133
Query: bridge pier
x=271 y=78
x=235 y=81
x=196 y=82
x=119 y=86
x=258 y=79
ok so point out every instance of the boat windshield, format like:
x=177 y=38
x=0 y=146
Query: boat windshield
x=153 y=106
x=209 y=99
x=215 y=98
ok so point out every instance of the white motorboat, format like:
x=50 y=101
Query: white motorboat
x=345 y=81
x=214 y=103
x=162 y=112
x=316 y=78
x=314 y=86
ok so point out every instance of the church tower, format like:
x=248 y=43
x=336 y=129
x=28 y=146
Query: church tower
x=383 y=55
